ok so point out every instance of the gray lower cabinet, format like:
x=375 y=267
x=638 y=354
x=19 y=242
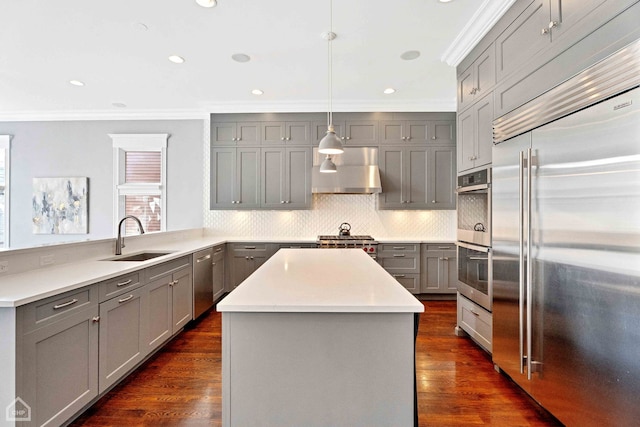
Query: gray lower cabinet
x=417 y=177
x=402 y=261
x=439 y=268
x=122 y=336
x=217 y=265
x=245 y=258
x=57 y=363
x=235 y=178
x=475 y=134
x=286 y=178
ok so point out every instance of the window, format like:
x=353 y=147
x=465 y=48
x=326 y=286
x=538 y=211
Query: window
x=140 y=180
x=5 y=152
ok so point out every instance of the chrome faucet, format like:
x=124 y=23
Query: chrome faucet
x=120 y=239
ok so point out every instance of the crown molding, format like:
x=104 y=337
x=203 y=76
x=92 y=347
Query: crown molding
x=478 y=26
x=347 y=106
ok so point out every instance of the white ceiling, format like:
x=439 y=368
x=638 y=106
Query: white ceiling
x=45 y=44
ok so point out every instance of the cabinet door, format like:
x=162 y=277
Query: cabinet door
x=297 y=133
x=298 y=178
x=223 y=169
x=484 y=68
x=361 y=132
x=218 y=272
x=450 y=272
x=273 y=133
x=247 y=176
x=122 y=336
x=416 y=185
x=523 y=39
x=223 y=133
x=60 y=368
x=442 y=132
x=182 y=299
x=432 y=274
x=248 y=133
x=392 y=176
x=442 y=177
x=159 y=312
x=567 y=13
x=483 y=115
x=410 y=281
x=319 y=130
x=273 y=178
x=466 y=140
x=392 y=131
x=466 y=83
x=419 y=131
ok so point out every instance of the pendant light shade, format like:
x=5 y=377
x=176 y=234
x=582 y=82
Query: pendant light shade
x=328 y=166
x=330 y=144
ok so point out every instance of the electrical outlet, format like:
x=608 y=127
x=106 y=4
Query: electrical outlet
x=4 y=266
x=47 y=260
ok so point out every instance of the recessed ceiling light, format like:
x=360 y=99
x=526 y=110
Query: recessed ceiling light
x=444 y=1
x=76 y=82
x=257 y=92
x=207 y=3
x=410 y=54
x=176 y=59
x=389 y=90
x=119 y=104
x=240 y=57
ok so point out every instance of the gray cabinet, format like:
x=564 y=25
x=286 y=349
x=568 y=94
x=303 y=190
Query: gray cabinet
x=417 y=177
x=402 y=261
x=351 y=132
x=170 y=300
x=122 y=336
x=245 y=258
x=218 y=267
x=289 y=133
x=416 y=131
x=439 y=268
x=478 y=79
x=57 y=370
x=232 y=133
x=475 y=134
x=286 y=178
x=235 y=178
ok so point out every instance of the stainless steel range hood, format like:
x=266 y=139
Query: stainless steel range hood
x=358 y=172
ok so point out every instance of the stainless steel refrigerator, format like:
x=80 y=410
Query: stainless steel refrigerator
x=566 y=245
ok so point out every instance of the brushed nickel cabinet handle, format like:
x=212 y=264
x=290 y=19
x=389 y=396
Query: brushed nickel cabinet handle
x=204 y=258
x=96 y=319
x=125 y=283
x=398 y=275
x=398 y=255
x=65 y=304
x=125 y=299
x=399 y=247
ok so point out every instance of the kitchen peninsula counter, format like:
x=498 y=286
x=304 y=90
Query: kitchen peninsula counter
x=317 y=337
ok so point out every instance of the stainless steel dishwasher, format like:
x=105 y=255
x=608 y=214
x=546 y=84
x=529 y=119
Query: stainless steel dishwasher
x=202 y=281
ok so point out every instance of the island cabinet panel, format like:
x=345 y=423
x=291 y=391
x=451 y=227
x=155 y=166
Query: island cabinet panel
x=122 y=336
x=59 y=366
x=318 y=369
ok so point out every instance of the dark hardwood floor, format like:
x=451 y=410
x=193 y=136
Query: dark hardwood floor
x=457 y=385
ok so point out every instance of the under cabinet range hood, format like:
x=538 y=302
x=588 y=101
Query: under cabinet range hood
x=357 y=173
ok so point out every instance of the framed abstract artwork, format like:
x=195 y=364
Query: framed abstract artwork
x=60 y=205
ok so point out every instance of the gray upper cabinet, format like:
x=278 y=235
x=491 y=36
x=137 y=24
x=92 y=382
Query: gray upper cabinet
x=351 y=132
x=319 y=130
x=417 y=177
x=230 y=133
x=289 y=133
x=478 y=79
x=405 y=131
x=475 y=134
x=235 y=178
x=286 y=178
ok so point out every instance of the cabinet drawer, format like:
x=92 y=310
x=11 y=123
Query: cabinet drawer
x=167 y=267
x=400 y=263
x=218 y=249
x=387 y=249
x=476 y=321
x=441 y=247
x=253 y=247
x=52 y=309
x=114 y=287
x=411 y=281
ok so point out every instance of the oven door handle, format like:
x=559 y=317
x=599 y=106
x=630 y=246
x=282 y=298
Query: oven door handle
x=472 y=188
x=484 y=249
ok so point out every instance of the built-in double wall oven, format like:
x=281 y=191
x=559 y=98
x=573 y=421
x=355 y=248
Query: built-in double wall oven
x=474 y=237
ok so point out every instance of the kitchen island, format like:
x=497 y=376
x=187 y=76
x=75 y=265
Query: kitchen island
x=319 y=337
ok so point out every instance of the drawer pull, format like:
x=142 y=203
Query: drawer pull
x=399 y=247
x=204 y=258
x=125 y=299
x=398 y=255
x=213 y=264
x=218 y=250
x=444 y=247
x=398 y=275
x=249 y=247
x=125 y=283
x=474 y=313
x=65 y=304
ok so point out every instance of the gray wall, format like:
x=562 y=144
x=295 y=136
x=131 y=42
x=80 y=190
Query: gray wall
x=84 y=148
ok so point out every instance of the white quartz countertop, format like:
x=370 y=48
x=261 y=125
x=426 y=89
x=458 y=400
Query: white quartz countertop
x=317 y=280
x=23 y=288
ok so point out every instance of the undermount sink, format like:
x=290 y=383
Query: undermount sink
x=141 y=256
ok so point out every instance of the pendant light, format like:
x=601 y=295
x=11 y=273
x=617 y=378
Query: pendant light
x=328 y=166
x=330 y=144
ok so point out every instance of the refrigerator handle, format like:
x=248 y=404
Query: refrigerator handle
x=529 y=267
x=521 y=256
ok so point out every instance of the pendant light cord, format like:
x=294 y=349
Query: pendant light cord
x=330 y=54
